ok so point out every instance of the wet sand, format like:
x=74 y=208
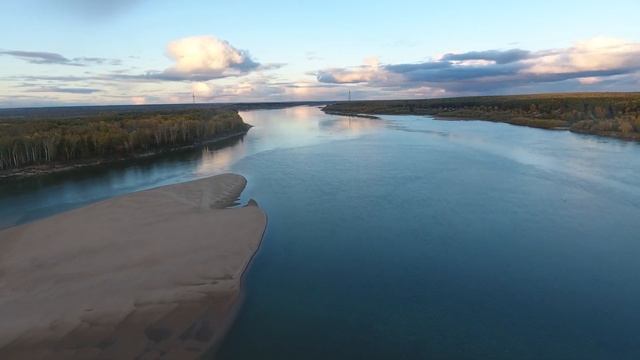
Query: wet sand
x=150 y=274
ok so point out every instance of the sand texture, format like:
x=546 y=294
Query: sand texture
x=153 y=274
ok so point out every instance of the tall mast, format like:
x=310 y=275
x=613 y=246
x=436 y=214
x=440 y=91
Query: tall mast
x=194 y=97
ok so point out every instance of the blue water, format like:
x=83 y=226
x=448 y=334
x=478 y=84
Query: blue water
x=413 y=238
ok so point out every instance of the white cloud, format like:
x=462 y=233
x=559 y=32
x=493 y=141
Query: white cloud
x=202 y=58
x=202 y=89
x=372 y=71
x=597 y=54
x=207 y=54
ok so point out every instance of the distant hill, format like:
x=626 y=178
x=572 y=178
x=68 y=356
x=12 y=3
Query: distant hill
x=607 y=114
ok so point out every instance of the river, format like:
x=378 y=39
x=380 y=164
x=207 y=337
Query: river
x=412 y=238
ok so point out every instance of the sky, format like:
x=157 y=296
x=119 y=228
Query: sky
x=81 y=52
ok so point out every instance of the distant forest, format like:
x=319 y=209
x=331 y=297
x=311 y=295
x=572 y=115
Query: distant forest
x=42 y=140
x=608 y=114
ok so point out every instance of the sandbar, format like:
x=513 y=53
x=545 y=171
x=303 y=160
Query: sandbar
x=152 y=274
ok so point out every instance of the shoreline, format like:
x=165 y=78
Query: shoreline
x=237 y=305
x=156 y=296
x=350 y=114
x=36 y=170
x=604 y=134
x=459 y=118
x=439 y=117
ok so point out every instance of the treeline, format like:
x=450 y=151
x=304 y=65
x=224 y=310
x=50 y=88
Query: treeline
x=611 y=114
x=92 y=111
x=33 y=141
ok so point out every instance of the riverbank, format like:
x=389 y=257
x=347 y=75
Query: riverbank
x=350 y=114
x=614 y=115
x=36 y=170
x=152 y=273
x=48 y=141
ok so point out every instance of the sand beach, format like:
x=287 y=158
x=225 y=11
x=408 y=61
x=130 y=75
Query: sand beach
x=155 y=273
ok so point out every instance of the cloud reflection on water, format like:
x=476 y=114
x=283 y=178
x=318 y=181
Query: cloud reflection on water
x=281 y=129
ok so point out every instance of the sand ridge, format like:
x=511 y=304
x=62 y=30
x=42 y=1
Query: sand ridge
x=149 y=274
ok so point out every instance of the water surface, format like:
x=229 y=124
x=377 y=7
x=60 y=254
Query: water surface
x=414 y=238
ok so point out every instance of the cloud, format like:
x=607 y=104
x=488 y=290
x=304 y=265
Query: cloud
x=243 y=91
x=37 y=57
x=597 y=54
x=496 y=56
x=586 y=65
x=194 y=59
x=202 y=58
x=312 y=56
x=370 y=72
x=95 y=9
x=97 y=61
x=66 y=90
x=49 y=58
x=265 y=88
x=59 y=78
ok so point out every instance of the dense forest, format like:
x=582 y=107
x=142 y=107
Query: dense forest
x=109 y=135
x=103 y=110
x=608 y=114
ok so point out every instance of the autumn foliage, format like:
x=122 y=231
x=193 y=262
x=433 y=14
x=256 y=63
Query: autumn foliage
x=610 y=114
x=33 y=141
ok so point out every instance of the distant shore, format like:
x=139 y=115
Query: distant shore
x=152 y=273
x=615 y=115
x=519 y=122
x=349 y=114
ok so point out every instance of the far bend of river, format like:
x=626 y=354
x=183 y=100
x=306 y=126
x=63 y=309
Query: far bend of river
x=412 y=238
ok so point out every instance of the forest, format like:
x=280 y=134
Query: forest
x=42 y=140
x=607 y=114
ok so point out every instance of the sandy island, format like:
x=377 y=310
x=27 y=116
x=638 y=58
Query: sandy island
x=151 y=274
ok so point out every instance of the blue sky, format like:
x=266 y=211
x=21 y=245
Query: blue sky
x=61 y=52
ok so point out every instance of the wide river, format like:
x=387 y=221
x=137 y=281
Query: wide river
x=412 y=238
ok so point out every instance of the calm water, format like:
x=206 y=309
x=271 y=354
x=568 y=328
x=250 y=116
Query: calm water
x=410 y=238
